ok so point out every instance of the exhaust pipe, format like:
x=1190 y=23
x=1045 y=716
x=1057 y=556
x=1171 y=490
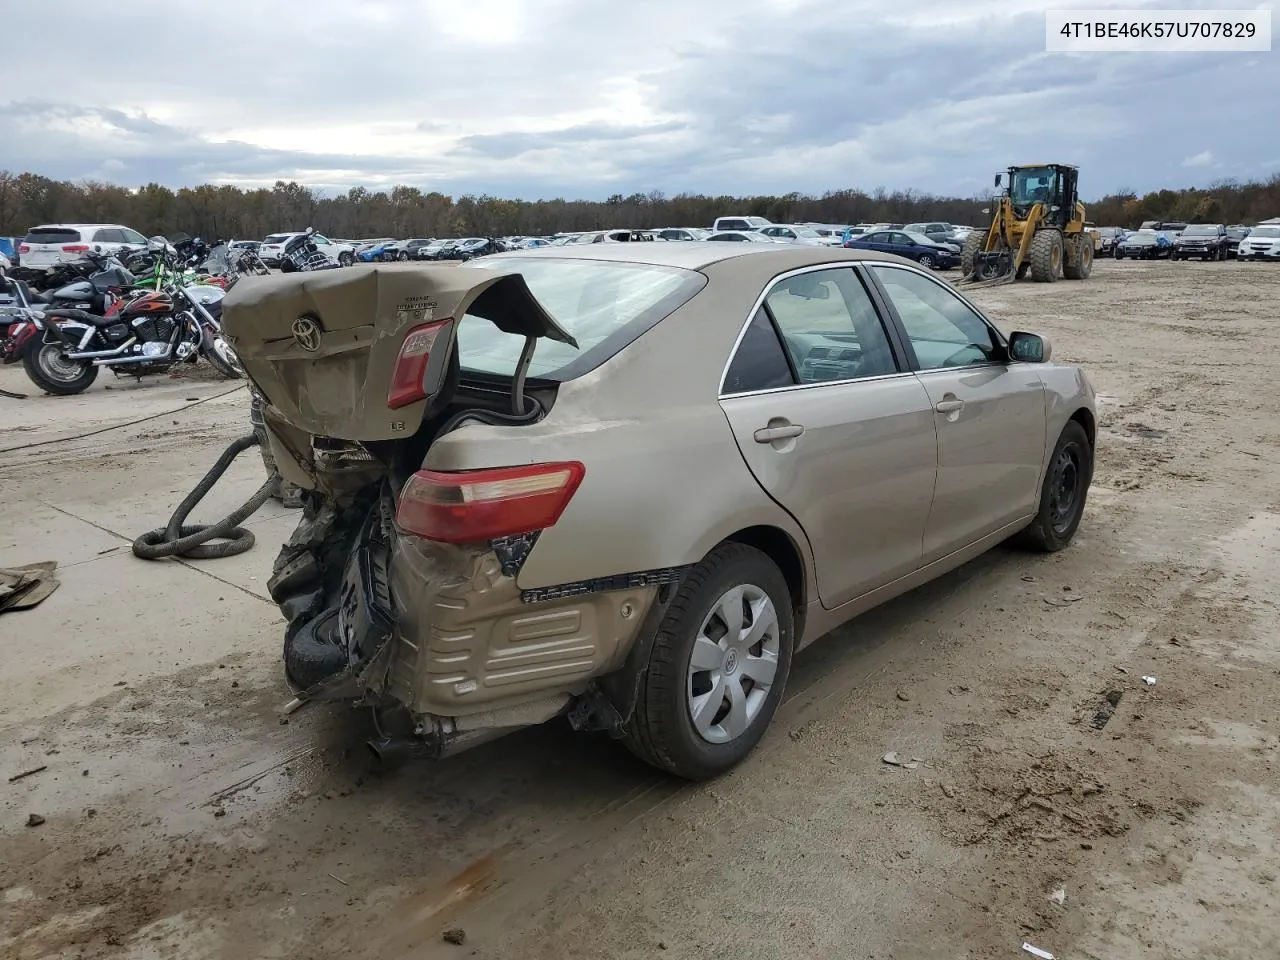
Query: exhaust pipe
x=390 y=751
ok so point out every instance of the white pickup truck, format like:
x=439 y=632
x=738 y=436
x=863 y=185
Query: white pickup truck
x=343 y=253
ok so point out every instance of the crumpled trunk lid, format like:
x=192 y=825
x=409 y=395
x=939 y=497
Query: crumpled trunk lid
x=322 y=347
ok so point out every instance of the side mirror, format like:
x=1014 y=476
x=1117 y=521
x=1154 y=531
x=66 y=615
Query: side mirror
x=996 y=181
x=1029 y=348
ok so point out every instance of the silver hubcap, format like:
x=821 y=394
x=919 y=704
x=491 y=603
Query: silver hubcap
x=734 y=661
x=55 y=365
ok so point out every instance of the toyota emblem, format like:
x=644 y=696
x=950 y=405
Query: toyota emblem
x=307 y=333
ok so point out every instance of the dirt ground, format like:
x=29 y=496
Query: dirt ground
x=184 y=819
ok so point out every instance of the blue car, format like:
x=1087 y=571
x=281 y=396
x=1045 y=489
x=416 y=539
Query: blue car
x=913 y=246
x=373 y=252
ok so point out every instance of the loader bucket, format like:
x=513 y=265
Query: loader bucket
x=990 y=269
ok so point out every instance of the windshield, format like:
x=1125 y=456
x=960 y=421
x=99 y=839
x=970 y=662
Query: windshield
x=1032 y=185
x=807 y=233
x=1265 y=232
x=1201 y=231
x=603 y=305
x=920 y=237
x=1142 y=236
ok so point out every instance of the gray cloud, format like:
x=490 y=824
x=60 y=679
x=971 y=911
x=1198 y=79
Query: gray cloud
x=577 y=98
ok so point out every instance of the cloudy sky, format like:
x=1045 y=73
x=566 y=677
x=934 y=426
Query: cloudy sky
x=584 y=98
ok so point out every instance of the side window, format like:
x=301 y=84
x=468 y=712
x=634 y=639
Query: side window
x=133 y=236
x=901 y=239
x=319 y=240
x=829 y=327
x=759 y=363
x=944 y=331
x=735 y=225
x=109 y=236
x=876 y=238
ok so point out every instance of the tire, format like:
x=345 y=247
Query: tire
x=973 y=244
x=1118 y=255
x=1054 y=525
x=926 y=260
x=314 y=652
x=662 y=730
x=50 y=373
x=286 y=266
x=1046 y=256
x=403 y=256
x=220 y=356
x=1082 y=269
x=346 y=259
x=1223 y=255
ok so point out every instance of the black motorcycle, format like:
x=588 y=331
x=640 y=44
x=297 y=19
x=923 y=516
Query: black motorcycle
x=300 y=253
x=135 y=336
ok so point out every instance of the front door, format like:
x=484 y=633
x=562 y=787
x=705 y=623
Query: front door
x=835 y=429
x=990 y=413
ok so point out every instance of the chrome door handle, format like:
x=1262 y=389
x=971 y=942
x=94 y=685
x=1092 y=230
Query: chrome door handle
x=770 y=434
x=948 y=406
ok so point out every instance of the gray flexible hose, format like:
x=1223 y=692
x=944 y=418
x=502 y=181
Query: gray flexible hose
x=191 y=541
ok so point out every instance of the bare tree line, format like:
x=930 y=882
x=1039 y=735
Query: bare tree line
x=226 y=212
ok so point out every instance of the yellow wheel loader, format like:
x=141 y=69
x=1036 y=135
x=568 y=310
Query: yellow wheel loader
x=1037 y=227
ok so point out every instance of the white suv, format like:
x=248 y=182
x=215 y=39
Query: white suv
x=1262 y=243
x=45 y=245
x=739 y=223
x=343 y=253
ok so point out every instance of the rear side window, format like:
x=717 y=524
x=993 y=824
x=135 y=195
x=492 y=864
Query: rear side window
x=830 y=327
x=52 y=235
x=108 y=236
x=603 y=305
x=276 y=238
x=734 y=225
x=760 y=363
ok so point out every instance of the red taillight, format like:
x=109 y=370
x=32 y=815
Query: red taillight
x=475 y=505
x=75 y=248
x=23 y=248
x=408 y=379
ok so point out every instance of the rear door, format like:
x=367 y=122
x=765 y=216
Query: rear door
x=989 y=413
x=835 y=428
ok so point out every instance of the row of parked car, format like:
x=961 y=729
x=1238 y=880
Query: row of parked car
x=933 y=244
x=1192 y=241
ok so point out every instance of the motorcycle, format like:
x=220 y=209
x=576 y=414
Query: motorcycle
x=63 y=348
x=301 y=253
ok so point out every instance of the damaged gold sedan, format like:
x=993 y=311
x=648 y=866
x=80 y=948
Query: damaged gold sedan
x=627 y=485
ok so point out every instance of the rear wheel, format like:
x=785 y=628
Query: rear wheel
x=1046 y=256
x=718 y=666
x=1063 y=493
x=49 y=369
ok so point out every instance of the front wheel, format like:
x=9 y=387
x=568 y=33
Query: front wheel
x=49 y=369
x=220 y=355
x=1063 y=493
x=346 y=259
x=719 y=662
x=926 y=260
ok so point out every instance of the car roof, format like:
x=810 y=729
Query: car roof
x=697 y=254
x=77 y=226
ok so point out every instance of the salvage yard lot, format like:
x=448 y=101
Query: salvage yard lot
x=183 y=819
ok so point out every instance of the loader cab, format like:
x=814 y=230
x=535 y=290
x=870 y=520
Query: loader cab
x=1052 y=184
